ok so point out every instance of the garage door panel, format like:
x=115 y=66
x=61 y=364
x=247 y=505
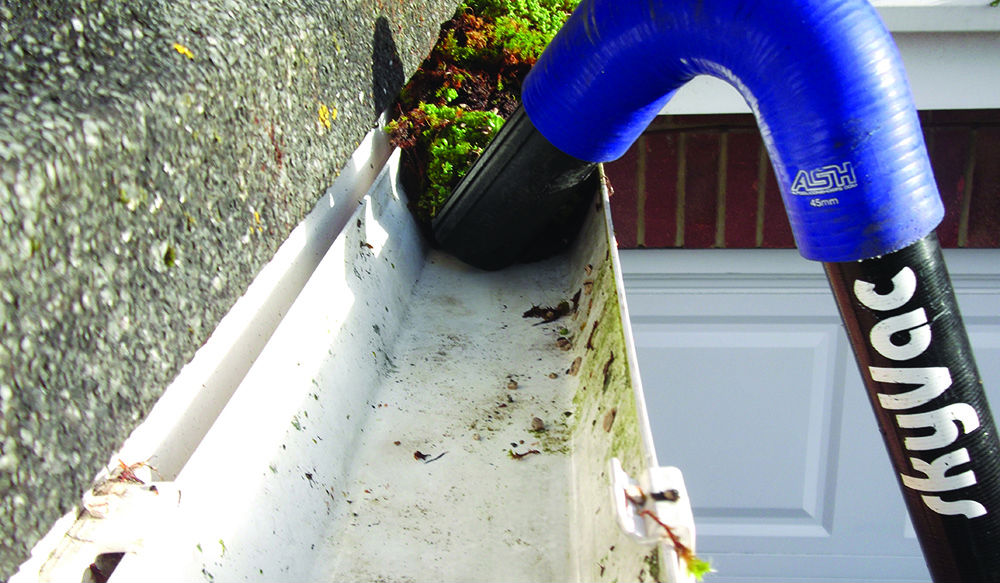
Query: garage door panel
x=871 y=518
x=753 y=391
x=806 y=568
x=716 y=369
x=984 y=334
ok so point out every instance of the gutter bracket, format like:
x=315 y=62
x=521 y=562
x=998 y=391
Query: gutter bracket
x=644 y=507
x=116 y=518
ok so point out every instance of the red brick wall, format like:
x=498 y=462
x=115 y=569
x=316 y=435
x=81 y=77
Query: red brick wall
x=706 y=182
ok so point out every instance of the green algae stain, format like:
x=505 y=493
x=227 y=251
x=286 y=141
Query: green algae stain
x=652 y=561
x=555 y=438
x=605 y=401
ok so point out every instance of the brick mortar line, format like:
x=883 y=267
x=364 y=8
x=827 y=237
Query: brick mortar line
x=681 y=187
x=969 y=175
x=762 y=164
x=720 y=191
x=640 y=195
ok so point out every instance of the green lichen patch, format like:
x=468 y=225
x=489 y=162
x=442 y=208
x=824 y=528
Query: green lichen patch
x=170 y=256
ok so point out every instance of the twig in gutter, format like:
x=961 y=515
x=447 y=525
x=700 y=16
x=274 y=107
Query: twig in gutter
x=590 y=339
x=548 y=314
x=434 y=459
x=695 y=566
x=126 y=472
x=426 y=457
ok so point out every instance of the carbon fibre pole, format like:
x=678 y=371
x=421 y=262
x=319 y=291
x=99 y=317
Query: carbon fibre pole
x=917 y=365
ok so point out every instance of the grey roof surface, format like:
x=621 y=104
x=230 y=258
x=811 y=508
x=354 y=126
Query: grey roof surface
x=153 y=157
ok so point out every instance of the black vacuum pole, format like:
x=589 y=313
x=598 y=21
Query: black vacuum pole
x=916 y=363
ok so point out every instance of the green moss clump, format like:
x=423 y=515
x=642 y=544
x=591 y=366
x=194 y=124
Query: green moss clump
x=466 y=88
x=452 y=138
x=524 y=27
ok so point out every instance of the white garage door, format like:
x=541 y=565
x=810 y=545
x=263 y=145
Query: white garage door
x=753 y=391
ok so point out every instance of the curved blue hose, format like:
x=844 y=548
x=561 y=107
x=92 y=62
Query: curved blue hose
x=823 y=78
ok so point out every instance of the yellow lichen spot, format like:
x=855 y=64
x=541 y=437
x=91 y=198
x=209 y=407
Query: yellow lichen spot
x=327 y=115
x=184 y=50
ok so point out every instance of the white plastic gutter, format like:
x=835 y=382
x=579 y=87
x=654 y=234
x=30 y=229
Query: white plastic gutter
x=373 y=409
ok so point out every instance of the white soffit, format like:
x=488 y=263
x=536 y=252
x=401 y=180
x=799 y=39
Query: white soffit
x=949 y=49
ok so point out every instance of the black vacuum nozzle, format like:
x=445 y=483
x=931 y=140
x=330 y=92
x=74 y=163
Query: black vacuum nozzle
x=521 y=200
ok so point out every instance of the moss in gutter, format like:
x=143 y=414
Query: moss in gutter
x=457 y=101
x=452 y=138
x=522 y=28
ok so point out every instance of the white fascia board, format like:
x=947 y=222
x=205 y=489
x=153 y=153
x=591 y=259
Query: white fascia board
x=933 y=16
x=949 y=49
